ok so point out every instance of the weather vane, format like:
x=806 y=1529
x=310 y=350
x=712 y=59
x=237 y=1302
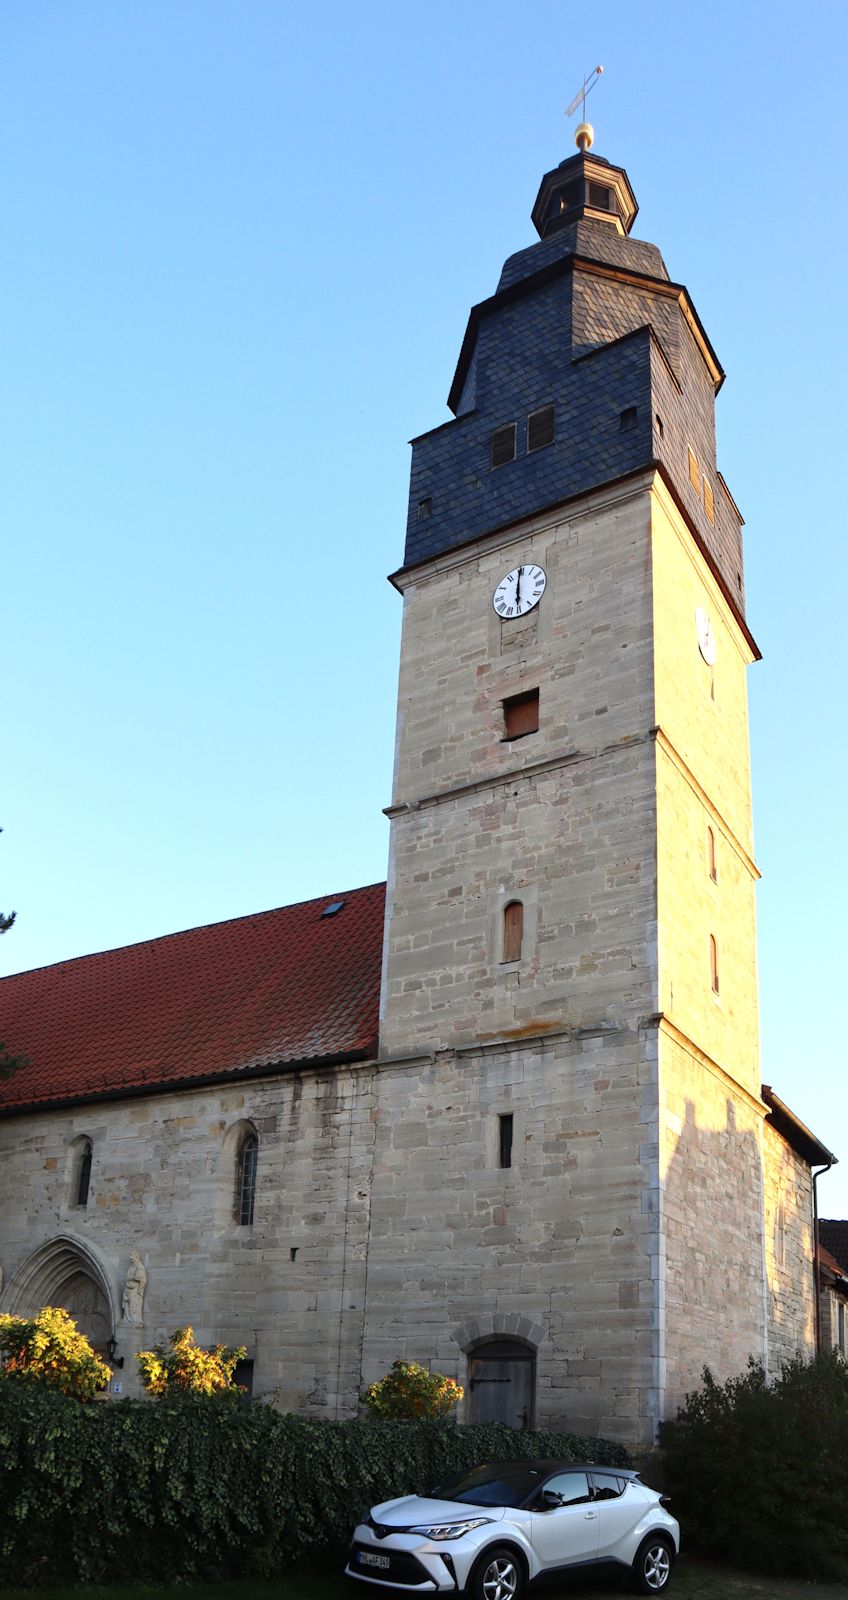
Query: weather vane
x=585 y=132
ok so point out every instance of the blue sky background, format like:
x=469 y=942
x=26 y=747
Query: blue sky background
x=239 y=245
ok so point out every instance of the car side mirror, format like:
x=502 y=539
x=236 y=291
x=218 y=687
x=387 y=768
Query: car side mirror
x=550 y=1499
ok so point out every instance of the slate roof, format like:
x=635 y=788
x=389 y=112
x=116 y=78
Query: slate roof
x=834 y=1237
x=280 y=988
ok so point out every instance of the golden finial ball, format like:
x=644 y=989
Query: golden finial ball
x=584 y=136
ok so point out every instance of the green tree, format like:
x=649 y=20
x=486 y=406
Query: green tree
x=410 y=1391
x=50 y=1349
x=184 y=1367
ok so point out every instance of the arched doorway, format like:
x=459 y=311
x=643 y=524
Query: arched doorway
x=67 y=1272
x=502 y=1383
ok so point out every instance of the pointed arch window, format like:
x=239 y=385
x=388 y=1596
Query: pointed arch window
x=82 y=1175
x=711 y=855
x=246 y=1164
x=713 y=965
x=513 y=930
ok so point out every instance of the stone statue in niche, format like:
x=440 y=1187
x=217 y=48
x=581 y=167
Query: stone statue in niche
x=132 y=1302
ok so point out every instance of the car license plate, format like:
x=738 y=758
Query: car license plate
x=366 y=1559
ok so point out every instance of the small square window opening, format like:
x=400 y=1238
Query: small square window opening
x=425 y=506
x=521 y=714
x=503 y=445
x=505 y=1140
x=627 y=418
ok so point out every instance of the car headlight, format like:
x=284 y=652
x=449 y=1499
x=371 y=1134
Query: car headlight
x=451 y=1530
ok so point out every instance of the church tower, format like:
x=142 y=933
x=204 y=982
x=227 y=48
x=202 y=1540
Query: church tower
x=569 y=1168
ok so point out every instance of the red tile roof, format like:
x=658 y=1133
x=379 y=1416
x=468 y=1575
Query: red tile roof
x=283 y=987
x=831 y=1263
x=833 y=1234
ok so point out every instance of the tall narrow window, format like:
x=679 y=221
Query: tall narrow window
x=694 y=474
x=246 y=1180
x=711 y=855
x=780 y=1236
x=513 y=930
x=713 y=965
x=83 y=1174
x=243 y=1377
x=505 y=1140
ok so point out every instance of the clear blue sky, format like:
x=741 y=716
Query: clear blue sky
x=240 y=242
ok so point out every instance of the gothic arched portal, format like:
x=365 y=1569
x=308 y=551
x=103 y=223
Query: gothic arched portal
x=67 y=1272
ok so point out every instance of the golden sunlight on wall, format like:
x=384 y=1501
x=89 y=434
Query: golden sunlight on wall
x=705 y=873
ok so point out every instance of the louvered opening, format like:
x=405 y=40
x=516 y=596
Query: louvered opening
x=521 y=714
x=503 y=445
x=600 y=197
x=709 y=502
x=540 y=428
x=694 y=474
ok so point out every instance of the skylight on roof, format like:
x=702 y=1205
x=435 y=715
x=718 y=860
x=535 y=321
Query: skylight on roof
x=332 y=908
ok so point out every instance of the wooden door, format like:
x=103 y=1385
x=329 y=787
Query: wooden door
x=501 y=1384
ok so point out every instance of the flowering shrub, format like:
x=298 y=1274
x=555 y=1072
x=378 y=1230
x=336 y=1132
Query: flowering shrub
x=49 y=1348
x=410 y=1391
x=184 y=1366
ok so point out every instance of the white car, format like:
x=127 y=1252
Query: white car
x=490 y=1532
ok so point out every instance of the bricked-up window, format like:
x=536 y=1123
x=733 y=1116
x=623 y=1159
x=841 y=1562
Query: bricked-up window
x=513 y=930
x=503 y=445
x=711 y=855
x=694 y=472
x=709 y=501
x=540 y=428
x=246 y=1164
x=505 y=1140
x=713 y=965
x=83 y=1174
x=521 y=714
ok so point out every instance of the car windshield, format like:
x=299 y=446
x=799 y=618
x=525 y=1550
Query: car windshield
x=498 y=1484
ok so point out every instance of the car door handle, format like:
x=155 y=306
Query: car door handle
x=591 y=1516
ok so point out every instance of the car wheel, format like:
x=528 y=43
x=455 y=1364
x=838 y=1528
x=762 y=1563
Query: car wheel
x=498 y=1575
x=653 y=1564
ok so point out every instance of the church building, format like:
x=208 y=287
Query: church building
x=504 y=1114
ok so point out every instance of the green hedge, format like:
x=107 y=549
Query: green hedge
x=197 y=1488
x=758 y=1473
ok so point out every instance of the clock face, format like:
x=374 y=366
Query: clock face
x=519 y=591
x=706 y=637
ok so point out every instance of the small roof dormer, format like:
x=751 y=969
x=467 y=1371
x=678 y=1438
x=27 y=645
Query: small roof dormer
x=584 y=186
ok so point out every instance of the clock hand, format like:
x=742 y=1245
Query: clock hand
x=518 y=586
